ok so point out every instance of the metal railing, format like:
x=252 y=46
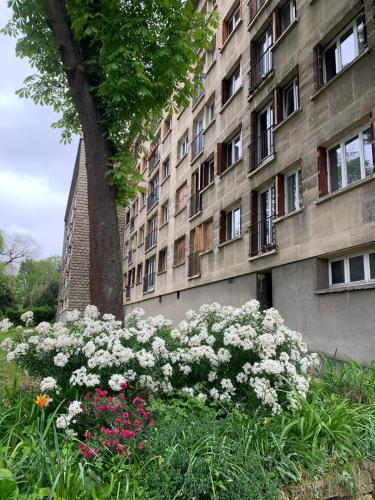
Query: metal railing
x=148 y=282
x=261 y=69
x=152 y=198
x=261 y=148
x=262 y=236
x=154 y=158
x=151 y=238
x=195 y=204
x=197 y=144
x=255 y=6
x=194 y=264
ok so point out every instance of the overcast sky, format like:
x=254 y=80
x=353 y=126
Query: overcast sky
x=35 y=168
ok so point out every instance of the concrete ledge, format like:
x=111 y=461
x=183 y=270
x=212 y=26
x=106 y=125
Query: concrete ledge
x=345 y=288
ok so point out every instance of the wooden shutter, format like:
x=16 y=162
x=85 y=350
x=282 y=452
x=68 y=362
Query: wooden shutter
x=219 y=157
x=280 y=188
x=318 y=66
x=223 y=226
x=204 y=174
x=224 y=88
x=278 y=104
x=254 y=223
x=372 y=140
x=253 y=60
x=322 y=171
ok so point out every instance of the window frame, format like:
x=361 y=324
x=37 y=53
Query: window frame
x=164 y=209
x=211 y=105
x=231 y=83
x=341 y=144
x=163 y=169
x=163 y=258
x=231 y=146
x=299 y=190
x=231 y=22
x=292 y=13
x=295 y=84
x=346 y=260
x=230 y=228
x=183 y=146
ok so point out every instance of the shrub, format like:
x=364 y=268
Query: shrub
x=224 y=353
x=40 y=313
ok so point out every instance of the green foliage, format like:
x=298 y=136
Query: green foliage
x=139 y=57
x=41 y=313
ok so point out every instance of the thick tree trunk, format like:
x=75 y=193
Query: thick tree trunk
x=105 y=253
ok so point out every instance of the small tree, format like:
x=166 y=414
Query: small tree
x=14 y=248
x=109 y=68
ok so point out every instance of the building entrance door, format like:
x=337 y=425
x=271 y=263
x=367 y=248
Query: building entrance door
x=264 y=289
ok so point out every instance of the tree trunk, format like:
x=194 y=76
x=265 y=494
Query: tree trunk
x=105 y=253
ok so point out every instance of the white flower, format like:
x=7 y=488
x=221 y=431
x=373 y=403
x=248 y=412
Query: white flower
x=75 y=408
x=48 y=384
x=60 y=359
x=70 y=433
x=7 y=344
x=27 y=317
x=91 y=312
x=212 y=376
x=108 y=317
x=43 y=328
x=116 y=381
x=62 y=422
x=5 y=325
x=73 y=315
x=167 y=370
x=185 y=369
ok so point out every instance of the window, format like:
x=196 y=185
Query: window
x=211 y=54
x=293 y=198
x=231 y=85
x=165 y=170
x=179 y=251
x=154 y=155
x=164 y=214
x=211 y=110
x=287 y=15
x=131 y=277
x=183 y=147
x=143 y=199
x=261 y=58
x=262 y=146
x=141 y=234
x=127 y=217
x=198 y=139
x=352 y=269
x=167 y=126
x=149 y=278
x=230 y=224
x=207 y=173
x=208 y=236
x=234 y=150
x=255 y=6
x=290 y=98
x=151 y=236
x=139 y=273
x=153 y=190
x=181 y=197
x=348 y=45
x=162 y=262
x=350 y=161
x=233 y=20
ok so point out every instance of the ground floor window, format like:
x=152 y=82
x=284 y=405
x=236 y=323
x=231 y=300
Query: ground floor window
x=352 y=269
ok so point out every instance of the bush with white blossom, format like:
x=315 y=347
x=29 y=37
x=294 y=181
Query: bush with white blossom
x=221 y=353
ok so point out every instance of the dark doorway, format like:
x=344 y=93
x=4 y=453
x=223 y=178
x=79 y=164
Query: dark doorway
x=264 y=289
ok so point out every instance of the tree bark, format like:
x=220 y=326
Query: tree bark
x=105 y=253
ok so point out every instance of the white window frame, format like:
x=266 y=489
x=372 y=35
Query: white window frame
x=163 y=170
x=234 y=20
x=299 y=194
x=183 y=146
x=232 y=143
x=295 y=85
x=232 y=212
x=292 y=12
x=347 y=282
x=211 y=110
x=165 y=213
x=234 y=83
x=336 y=42
x=341 y=144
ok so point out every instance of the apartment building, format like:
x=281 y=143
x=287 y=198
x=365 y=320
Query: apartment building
x=264 y=187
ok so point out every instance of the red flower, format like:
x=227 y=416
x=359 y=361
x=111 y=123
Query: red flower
x=120 y=449
x=141 y=445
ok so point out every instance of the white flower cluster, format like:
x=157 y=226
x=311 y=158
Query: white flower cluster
x=217 y=352
x=5 y=325
x=27 y=317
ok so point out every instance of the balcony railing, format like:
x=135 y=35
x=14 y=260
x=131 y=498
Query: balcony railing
x=194 y=266
x=261 y=149
x=197 y=144
x=152 y=198
x=195 y=203
x=261 y=69
x=148 y=282
x=130 y=256
x=127 y=292
x=133 y=222
x=153 y=160
x=262 y=236
x=151 y=238
x=255 y=6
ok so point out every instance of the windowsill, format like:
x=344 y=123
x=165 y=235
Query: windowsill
x=209 y=125
x=151 y=248
x=261 y=255
x=161 y=272
x=197 y=102
x=329 y=196
x=141 y=243
x=226 y=104
x=288 y=216
x=206 y=252
x=138 y=283
x=166 y=135
x=195 y=215
x=165 y=179
x=285 y=120
x=142 y=207
x=181 y=160
x=229 y=38
x=181 y=113
x=210 y=68
x=178 y=265
x=257 y=89
x=152 y=290
x=164 y=224
x=254 y=19
x=152 y=207
x=342 y=72
x=231 y=167
x=345 y=288
x=193 y=160
x=284 y=34
x=179 y=211
x=207 y=187
x=238 y=238
x=263 y=164
x=194 y=277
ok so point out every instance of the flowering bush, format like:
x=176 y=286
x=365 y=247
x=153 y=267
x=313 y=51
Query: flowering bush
x=223 y=353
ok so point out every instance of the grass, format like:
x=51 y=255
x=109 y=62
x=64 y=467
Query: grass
x=9 y=372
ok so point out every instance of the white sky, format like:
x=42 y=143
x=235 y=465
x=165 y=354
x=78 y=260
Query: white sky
x=35 y=168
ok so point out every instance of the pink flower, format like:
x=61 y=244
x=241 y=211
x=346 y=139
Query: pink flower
x=106 y=442
x=141 y=445
x=120 y=449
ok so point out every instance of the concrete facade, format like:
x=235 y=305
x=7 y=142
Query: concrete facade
x=284 y=260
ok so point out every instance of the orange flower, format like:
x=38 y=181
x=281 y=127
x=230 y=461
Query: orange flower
x=42 y=400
